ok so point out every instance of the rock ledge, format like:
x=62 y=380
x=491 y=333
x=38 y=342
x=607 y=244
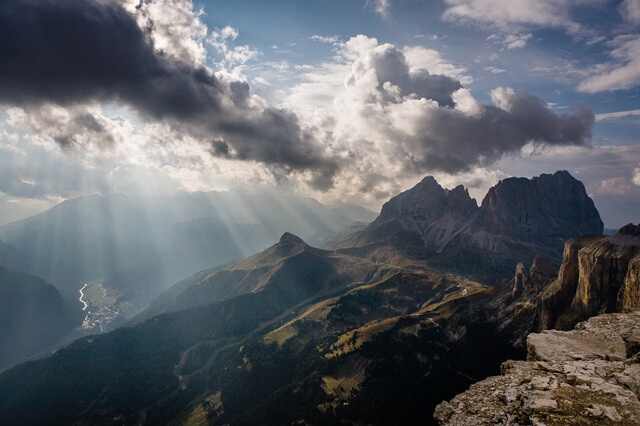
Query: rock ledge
x=590 y=375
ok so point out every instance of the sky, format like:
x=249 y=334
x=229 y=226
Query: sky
x=352 y=100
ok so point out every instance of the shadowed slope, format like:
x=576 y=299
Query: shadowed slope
x=33 y=316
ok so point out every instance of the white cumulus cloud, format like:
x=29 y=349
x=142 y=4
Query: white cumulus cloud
x=621 y=73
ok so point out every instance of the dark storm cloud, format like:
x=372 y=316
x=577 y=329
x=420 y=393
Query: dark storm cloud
x=455 y=133
x=78 y=53
x=391 y=66
x=452 y=141
x=67 y=51
x=72 y=52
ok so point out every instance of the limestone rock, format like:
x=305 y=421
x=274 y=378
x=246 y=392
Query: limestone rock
x=598 y=274
x=514 y=307
x=520 y=280
x=434 y=213
x=585 y=376
x=630 y=229
x=531 y=283
x=543 y=270
x=544 y=210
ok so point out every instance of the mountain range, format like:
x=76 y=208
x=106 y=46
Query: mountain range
x=419 y=302
x=517 y=219
x=377 y=327
x=135 y=247
x=124 y=250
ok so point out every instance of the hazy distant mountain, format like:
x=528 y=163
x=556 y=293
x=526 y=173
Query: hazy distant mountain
x=13 y=258
x=140 y=245
x=330 y=235
x=33 y=316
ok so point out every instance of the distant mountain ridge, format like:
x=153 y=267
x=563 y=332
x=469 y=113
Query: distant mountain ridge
x=517 y=219
x=33 y=316
x=284 y=262
x=11 y=257
x=139 y=245
x=238 y=309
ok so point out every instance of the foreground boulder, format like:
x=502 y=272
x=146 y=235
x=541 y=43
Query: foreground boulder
x=590 y=375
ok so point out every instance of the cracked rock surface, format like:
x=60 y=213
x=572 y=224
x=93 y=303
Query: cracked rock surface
x=590 y=375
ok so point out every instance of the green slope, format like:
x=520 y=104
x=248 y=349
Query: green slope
x=305 y=320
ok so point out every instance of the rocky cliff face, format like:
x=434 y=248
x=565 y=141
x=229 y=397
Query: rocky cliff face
x=513 y=308
x=532 y=282
x=543 y=210
x=590 y=375
x=598 y=274
x=517 y=216
x=434 y=213
x=586 y=376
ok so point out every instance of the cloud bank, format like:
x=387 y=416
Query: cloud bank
x=622 y=73
x=76 y=53
x=394 y=119
x=506 y=14
x=385 y=112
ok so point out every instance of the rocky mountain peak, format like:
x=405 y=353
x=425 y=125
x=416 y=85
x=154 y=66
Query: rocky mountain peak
x=430 y=210
x=531 y=282
x=425 y=200
x=459 y=201
x=288 y=239
x=428 y=201
x=546 y=209
x=543 y=269
x=428 y=182
x=542 y=211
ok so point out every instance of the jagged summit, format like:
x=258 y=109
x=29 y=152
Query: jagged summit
x=428 y=201
x=288 y=239
x=517 y=219
x=531 y=282
x=545 y=209
x=430 y=211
